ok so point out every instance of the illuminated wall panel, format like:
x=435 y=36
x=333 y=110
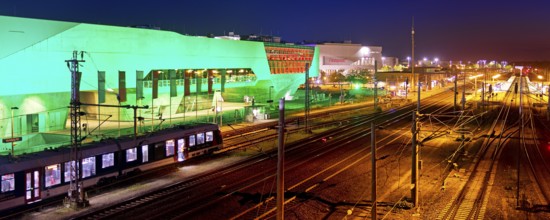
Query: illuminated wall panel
x=33 y=54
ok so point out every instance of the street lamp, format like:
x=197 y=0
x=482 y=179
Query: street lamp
x=408 y=62
x=12 y=143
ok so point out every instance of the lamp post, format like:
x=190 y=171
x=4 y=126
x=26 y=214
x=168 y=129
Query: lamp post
x=12 y=143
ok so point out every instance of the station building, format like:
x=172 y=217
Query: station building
x=345 y=57
x=170 y=72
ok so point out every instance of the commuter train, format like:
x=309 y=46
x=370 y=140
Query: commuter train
x=34 y=177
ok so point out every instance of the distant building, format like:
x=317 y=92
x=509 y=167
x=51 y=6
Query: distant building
x=262 y=38
x=229 y=36
x=335 y=57
x=389 y=61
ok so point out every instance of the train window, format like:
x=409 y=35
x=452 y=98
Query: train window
x=88 y=167
x=69 y=171
x=145 y=153
x=8 y=182
x=200 y=138
x=181 y=147
x=209 y=136
x=107 y=160
x=169 y=148
x=191 y=140
x=52 y=175
x=131 y=154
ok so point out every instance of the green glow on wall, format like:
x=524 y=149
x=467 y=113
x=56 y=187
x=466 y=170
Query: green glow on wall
x=35 y=77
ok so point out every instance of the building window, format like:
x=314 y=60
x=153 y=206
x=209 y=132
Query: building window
x=107 y=160
x=209 y=136
x=52 y=175
x=191 y=140
x=69 y=171
x=200 y=138
x=131 y=154
x=8 y=182
x=169 y=148
x=145 y=153
x=88 y=167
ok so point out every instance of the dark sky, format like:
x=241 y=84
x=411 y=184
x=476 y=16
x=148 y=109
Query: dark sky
x=447 y=29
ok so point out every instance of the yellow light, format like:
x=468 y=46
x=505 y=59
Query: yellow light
x=476 y=76
x=539 y=76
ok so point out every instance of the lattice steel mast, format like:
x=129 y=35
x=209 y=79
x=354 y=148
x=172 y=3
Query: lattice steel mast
x=76 y=193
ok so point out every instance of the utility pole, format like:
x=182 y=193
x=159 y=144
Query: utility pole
x=76 y=191
x=413 y=62
x=373 y=156
x=306 y=117
x=375 y=85
x=463 y=104
x=281 y=163
x=456 y=91
x=406 y=90
x=414 y=170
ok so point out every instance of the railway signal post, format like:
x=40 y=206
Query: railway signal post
x=281 y=163
x=76 y=191
x=373 y=155
x=414 y=170
x=307 y=101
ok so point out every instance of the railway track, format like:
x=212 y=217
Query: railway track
x=235 y=138
x=536 y=166
x=122 y=208
x=312 y=184
x=471 y=201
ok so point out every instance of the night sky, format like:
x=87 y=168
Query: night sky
x=447 y=29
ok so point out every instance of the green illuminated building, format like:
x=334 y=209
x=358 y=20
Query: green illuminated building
x=36 y=80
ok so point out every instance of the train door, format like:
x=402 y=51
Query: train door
x=181 y=155
x=32 y=186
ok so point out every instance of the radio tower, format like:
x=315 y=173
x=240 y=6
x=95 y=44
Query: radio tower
x=76 y=193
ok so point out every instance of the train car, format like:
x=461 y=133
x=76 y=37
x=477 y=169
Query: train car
x=33 y=177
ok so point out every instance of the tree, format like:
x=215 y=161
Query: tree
x=336 y=77
x=398 y=67
x=356 y=77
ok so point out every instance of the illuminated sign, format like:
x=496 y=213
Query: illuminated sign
x=13 y=139
x=335 y=61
